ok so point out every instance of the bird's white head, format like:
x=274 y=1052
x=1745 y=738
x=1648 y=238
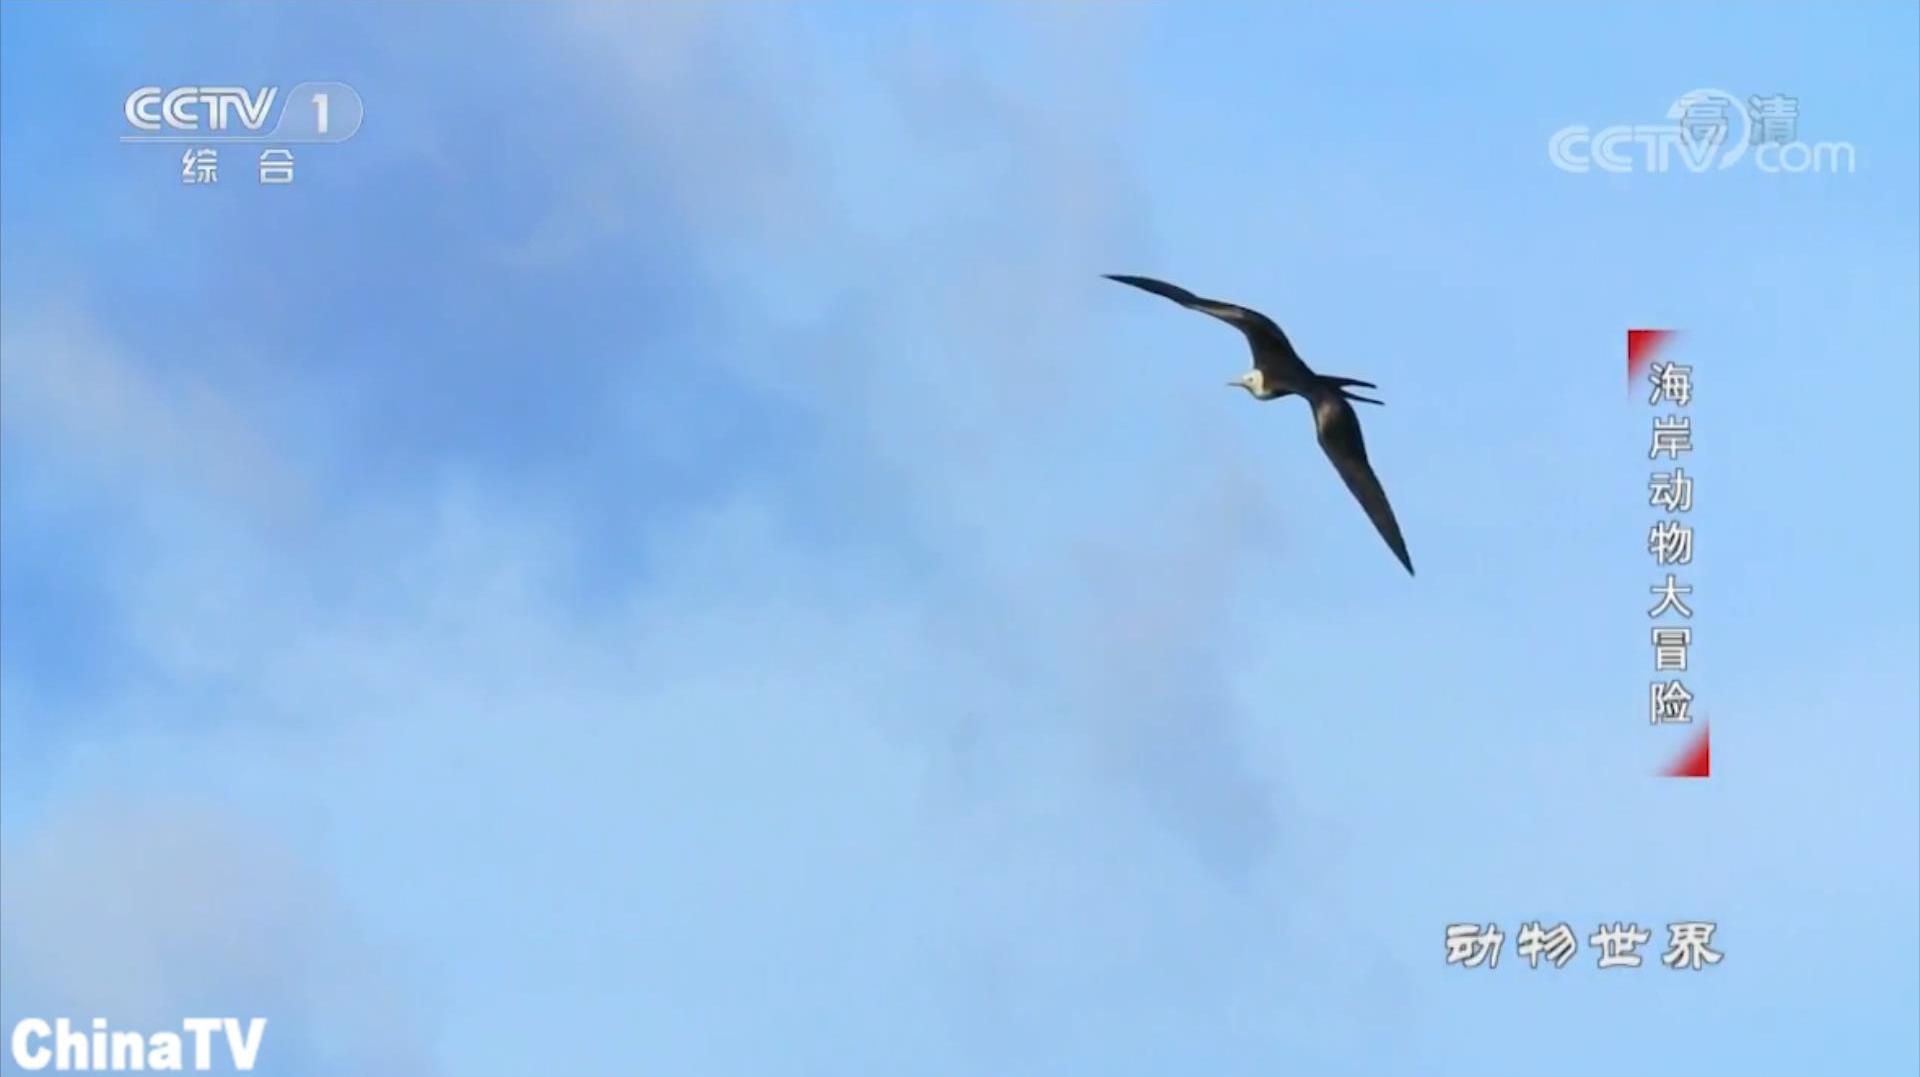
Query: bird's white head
x=1253 y=381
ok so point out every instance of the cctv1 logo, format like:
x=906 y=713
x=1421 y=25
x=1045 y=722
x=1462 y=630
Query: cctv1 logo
x=310 y=112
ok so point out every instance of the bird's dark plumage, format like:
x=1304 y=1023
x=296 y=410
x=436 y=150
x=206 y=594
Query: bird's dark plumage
x=1273 y=353
x=1283 y=373
x=1339 y=430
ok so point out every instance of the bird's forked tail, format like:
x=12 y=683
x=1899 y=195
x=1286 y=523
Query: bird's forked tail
x=1339 y=385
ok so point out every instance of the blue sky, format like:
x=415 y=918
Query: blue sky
x=663 y=555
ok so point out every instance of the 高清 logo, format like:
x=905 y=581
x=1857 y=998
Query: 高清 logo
x=37 y=1045
x=1706 y=130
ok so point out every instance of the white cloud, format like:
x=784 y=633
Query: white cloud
x=147 y=909
x=68 y=385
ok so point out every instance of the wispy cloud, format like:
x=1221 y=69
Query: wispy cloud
x=146 y=910
x=69 y=386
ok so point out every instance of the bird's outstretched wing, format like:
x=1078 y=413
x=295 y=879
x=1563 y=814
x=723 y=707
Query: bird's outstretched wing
x=1272 y=352
x=1339 y=430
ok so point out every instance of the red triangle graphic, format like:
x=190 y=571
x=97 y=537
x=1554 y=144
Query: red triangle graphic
x=1697 y=762
x=1642 y=346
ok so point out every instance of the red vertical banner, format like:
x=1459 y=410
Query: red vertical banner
x=1668 y=389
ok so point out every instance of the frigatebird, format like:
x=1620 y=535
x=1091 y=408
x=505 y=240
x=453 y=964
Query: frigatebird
x=1278 y=371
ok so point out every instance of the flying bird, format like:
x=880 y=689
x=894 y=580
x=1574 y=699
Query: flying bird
x=1278 y=371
